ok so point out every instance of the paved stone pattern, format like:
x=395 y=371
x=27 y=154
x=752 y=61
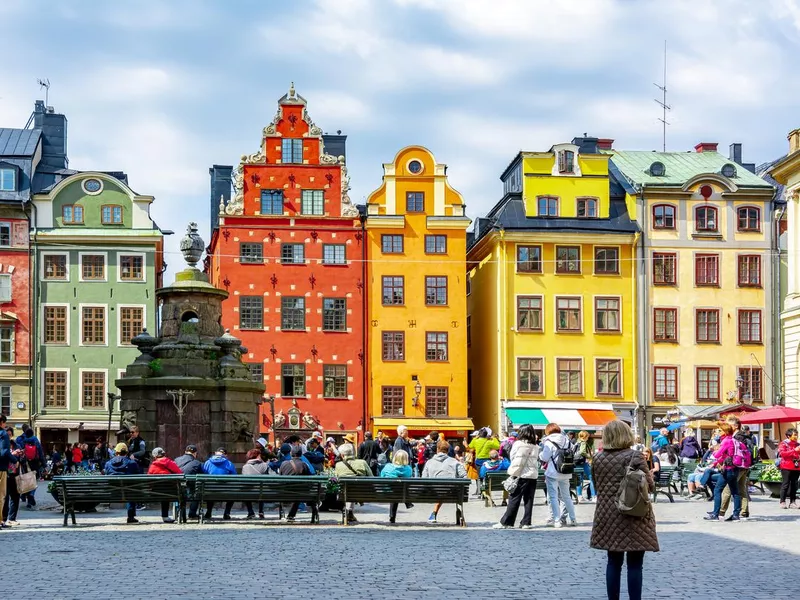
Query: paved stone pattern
x=103 y=558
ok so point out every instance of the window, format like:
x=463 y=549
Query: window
x=706 y=269
x=664 y=268
x=665 y=324
x=435 y=244
x=111 y=214
x=568 y=311
x=749 y=380
x=435 y=401
x=749 y=270
x=55 y=389
x=568 y=259
x=131 y=323
x=8 y=180
x=93 y=267
x=705 y=218
x=708 y=384
x=131 y=268
x=569 y=375
x=335 y=381
x=5 y=288
x=665 y=383
x=548 y=206
x=436 y=291
x=313 y=203
x=663 y=216
x=392 y=400
x=55 y=267
x=5 y=400
x=606 y=261
x=529 y=259
x=529 y=375
x=529 y=313
x=436 y=346
x=256 y=372
x=251 y=312
x=587 y=208
x=271 y=202
x=608 y=374
x=93 y=384
x=5 y=234
x=72 y=214
x=749 y=218
x=566 y=161
x=55 y=324
x=333 y=254
x=334 y=314
x=293 y=313
x=393 y=290
x=7 y=344
x=392 y=244
x=394 y=345
x=292 y=254
x=750 y=327
x=606 y=314
x=93 y=330
x=707 y=325
x=291 y=151
x=293 y=381
x=415 y=201
x=251 y=253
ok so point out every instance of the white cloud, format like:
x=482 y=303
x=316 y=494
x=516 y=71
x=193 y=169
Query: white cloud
x=336 y=108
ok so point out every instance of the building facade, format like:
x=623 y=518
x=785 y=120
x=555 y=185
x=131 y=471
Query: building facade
x=552 y=295
x=705 y=319
x=98 y=262
x=289 y=248
x=417 y=313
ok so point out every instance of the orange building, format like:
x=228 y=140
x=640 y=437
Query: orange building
x=289 y=248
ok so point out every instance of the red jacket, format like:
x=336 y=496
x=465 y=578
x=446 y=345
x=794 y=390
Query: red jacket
x=164 y=466
x=77 y=455
x=789 y=452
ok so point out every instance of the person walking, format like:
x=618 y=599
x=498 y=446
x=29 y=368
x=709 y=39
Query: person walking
x=254 y=466
x=728 y=474
x=189 y=465
x=584 y=453
x=789 y=453
x=11 y=505
x=33 y=455
x=556 y=450
x=624 y=537
x=122 y=464
x=7 y=458
x=742 y=480
x=163 y=465
x=524 y=457
x=398 y=468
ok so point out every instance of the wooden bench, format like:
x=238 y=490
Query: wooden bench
x=261 y=488
x=664 y=483
x=106 y=489
x=493 y=482
x=413 y=489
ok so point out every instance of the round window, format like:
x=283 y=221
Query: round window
x=728 y=170
x=415 y=167
x=92 y=186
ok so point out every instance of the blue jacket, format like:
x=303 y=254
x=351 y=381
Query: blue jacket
x=394 y=471
x=275 y=465
x=219 y=465
x=23 y=439
x=122 y=465
x=311 y=468
x=6 y=458
x=488 y=467
x=316 y=458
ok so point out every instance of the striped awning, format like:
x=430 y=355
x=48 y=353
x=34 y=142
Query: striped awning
x=590 y=418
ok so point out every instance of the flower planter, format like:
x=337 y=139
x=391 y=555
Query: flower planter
x=774 y=488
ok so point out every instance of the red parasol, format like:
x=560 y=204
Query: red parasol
x=774 y=414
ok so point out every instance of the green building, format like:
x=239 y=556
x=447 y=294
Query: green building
x=98 y=262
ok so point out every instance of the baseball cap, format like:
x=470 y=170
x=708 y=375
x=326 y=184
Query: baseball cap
x=191 y=448
x=158 y=451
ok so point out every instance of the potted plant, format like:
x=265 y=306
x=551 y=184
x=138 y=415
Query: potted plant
x=332 y=489
x=86 y=507
x=771 y=478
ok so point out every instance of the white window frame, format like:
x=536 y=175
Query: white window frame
x=68 y=383
x=555 y=313
x=10 y=233
x=68 y=341
x=105 y=325
x=118 y=309
x=13 y=179
x=119 y=256
x=582 y=393
x=104 y=408
x=597 y=297
x=13 y=327
x=42 y=271
x=544 y=376
x=10 y=288
x=621 y=361
x=105 y=266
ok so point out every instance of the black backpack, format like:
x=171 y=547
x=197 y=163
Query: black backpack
x=564 y=459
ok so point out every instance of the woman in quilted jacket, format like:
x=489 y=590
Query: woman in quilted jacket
x=617 y=533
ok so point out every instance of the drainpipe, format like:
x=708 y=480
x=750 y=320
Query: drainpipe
x=643 y=337
x=33 y=303
x=777 y=336
x=364 y=323
x=501 y=355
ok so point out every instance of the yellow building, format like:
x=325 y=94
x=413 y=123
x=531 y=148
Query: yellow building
x=417 y=308
x=552 y=295
x=707 y=311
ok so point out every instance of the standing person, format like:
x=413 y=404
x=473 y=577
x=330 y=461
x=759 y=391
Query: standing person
x=404 y=443
x=584 y=453
x=789 y=453
x=219 y=465
x=398 y=468
x=556 y=450
x=33 y=454
x=742 y=480
x=10 y=507
x=77 y=456
x=86 y=453
x=137 y=448
x=472 y=471
x=728 y=474
x=122 y=464
x=442 y=466
x=617 y=533
x=690 y=447
x=164 y=465
x=68 y=464
x=6 y=458
x=368 y=451
x=100 y=453
x=189 y=465
x=255 y=466
x=483 y=443
x=422 y=449
x=525 y=465
x=661 y=441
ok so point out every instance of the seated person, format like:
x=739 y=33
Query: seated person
x=653 y=463
x=350 y=466
x=494 y=463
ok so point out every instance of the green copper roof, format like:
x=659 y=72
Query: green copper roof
x=680 y=167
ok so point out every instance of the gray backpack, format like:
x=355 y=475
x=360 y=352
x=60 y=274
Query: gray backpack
x=633 y=498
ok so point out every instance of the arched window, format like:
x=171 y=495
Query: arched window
x=749 y=218
x=705 y=218
x=663 y=216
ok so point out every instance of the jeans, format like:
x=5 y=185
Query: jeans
x=741 y=483
x=249 y=507
x=526 y=489
x=614 y=574
x=131 y=510
x=587 y=474
x=728 y=478
x=559 y=488
x=789 y=485
x=210 y=508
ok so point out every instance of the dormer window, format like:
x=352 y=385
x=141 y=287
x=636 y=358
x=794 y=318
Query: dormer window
x=292 y=151
x=8 y=180
x=587 y=208
x=705 y=218
x=657 y=169
x=111 y=214
x=728 y=170
x=548 y=206
x=72 y=214
x=749 y=218
x=566 y=161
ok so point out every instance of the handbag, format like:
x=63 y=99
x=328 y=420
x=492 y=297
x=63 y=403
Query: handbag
x=511 y=484
x=26 y=481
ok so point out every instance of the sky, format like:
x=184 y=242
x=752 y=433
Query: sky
x=163 y=89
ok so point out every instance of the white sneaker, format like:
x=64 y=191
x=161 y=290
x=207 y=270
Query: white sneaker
x=593 y=499
x=500 y=526
x=558 y=524
x=526 y=526
x=550 y=523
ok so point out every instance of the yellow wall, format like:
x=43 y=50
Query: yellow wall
x=538 y=180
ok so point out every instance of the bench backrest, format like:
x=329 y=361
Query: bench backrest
x=414 y=489
x=664 y=475
x=260 y=488
x=120 y=488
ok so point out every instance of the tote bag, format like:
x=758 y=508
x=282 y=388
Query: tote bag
x=26 y=481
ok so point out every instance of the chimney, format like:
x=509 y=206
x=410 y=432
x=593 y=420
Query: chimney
x=794 y=141
x=586 y=145
x=221 y=185
x=335 y=144
x=54 y=135
x=735 y=153
x=706 y=147
x=605 y=144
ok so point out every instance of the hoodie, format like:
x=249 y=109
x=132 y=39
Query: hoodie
x=122 y=465
x=255 y=466
x=549 y=446
x=219 y=465
x=442 y=466
x=6 y=458
x=164 y=466
x=189 y=465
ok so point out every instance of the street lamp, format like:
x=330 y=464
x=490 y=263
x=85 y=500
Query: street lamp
x=111 y=399
x=417 y=392
x=271 y=400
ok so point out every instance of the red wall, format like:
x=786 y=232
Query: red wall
x=14 y=262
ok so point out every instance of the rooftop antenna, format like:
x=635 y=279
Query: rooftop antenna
x=663 y=103
x=45 y=83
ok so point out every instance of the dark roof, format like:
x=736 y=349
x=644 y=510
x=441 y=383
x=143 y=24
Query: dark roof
x=19 y=142
x=763 y=172
x=46 y=178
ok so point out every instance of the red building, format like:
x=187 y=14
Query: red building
x=289 y=248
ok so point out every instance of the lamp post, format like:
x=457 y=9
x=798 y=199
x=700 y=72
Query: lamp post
x=271 y=400
x=417 y=392
x=111 y=399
